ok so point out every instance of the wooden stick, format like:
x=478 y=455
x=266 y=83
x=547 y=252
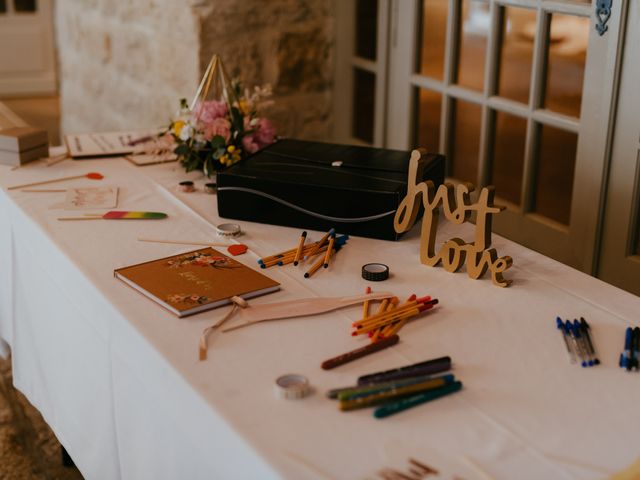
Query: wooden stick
x=44 y=191
x=99 y=217
x=58 y=158
x=184 y=242
x=73 y=177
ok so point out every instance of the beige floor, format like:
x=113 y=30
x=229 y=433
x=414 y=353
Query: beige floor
x=28 y=448
x=41 y=112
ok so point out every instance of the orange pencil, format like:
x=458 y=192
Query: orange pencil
x=303 y=237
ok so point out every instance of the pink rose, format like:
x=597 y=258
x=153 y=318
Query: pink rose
x=265 y=132
x=249 y=144
x=208 y=111
x=219 y=126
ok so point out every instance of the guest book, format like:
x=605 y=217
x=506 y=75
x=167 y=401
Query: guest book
x=195 y=281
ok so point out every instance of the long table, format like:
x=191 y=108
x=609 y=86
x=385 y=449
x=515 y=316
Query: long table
x=119 y=381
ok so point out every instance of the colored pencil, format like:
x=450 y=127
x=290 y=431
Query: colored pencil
x=360 y=352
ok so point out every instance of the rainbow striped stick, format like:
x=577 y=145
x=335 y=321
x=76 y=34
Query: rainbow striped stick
x=120 y=215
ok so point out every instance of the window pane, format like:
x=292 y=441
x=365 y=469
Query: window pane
x=474 y=31
x=24 y=5
x=364 y=89
x=465 y=142
x=508 y=156
x=554 y=179
x=366 y=28
x=566 y=57
x=433 y=34
x=427 y=133
x=516 y=53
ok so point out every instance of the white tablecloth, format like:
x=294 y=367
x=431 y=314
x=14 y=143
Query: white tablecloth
x=118 y=378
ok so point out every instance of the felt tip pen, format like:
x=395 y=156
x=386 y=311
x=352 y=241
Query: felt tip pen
x=625 y=356
x=560 y=326
x=394 y=394
x=415 y=400
x=376 y=388
x=428 y=367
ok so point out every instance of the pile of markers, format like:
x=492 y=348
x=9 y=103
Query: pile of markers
x=328 y=245
x=394 y=391
x=577 y=339
x=629 y=357
x=390 y=317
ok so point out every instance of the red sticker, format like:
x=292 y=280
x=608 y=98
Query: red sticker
x=237 y=249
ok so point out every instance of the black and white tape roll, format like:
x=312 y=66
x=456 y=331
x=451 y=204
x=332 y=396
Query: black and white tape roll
x=375 y=272
x=292 y=386
x=228 y=230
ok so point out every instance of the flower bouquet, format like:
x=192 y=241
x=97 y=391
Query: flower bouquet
x=215 y=132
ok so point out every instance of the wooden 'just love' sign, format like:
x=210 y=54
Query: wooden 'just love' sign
x=457 y=208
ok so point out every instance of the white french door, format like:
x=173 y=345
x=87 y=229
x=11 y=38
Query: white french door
x=518 y=94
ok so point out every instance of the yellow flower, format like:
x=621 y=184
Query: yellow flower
x=177 y=127
x=231 y=148
x=224 y=159
x=244 y=106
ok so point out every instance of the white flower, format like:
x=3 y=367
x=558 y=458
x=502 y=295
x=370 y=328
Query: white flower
x=186 y=132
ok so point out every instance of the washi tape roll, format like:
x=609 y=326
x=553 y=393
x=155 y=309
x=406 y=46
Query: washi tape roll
x=186 y=186
x=211 y=187
x=292 y=386
x=375 y=272
x=228 y=230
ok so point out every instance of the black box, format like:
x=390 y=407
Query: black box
x=317 y=186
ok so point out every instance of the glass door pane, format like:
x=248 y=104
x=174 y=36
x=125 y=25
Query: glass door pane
x=524 y=96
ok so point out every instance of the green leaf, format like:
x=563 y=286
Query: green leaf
x=217 y=142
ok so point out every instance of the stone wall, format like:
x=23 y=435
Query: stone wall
x=126 y=63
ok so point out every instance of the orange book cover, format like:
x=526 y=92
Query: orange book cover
x=195 y=281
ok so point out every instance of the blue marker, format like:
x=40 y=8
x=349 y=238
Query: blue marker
x=582 y=339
